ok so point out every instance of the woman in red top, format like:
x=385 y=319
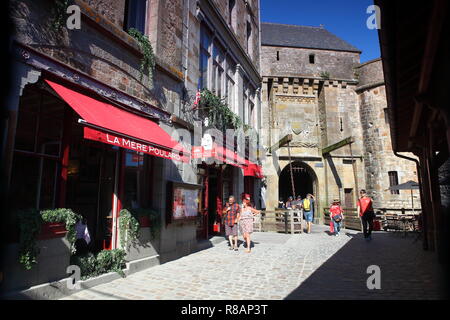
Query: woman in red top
x=365 y=210
x=336 y=215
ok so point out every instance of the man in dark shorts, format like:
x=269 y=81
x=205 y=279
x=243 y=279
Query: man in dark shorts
x=231 y=214
x=365 y=210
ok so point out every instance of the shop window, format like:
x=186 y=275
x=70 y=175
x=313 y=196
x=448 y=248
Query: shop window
x=36 y=161
x=393 y=181
x=135 y=15
x=138 y=179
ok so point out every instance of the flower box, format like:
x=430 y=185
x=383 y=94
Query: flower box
x=144 y=221
x=52 y=230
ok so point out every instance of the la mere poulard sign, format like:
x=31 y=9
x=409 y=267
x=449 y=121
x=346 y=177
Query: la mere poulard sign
x=131 y=144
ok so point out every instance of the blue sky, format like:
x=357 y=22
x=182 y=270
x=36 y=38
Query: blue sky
x=345 y=18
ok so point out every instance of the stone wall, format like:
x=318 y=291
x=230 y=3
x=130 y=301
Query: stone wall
x=337 y=109
x=370 y=72
x=295 y=62
x=311 y=110
x=378 y=154
x=102 y=49
x=113 y=10
x=244 y=11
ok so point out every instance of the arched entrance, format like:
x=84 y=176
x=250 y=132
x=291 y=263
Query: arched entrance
x=304 y=180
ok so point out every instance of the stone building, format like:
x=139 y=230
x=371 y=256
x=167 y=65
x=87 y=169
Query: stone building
x=58 y=151
x=315 y=88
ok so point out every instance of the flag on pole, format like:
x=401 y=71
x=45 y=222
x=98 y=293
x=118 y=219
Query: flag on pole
x=197 y=97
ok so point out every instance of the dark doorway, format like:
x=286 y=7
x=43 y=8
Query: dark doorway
x=90 y=186
x=303 y=181
x=212 y=201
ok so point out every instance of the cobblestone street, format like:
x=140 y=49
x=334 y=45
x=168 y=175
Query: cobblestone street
x=305 y=266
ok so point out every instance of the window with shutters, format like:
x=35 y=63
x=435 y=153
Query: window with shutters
x=393 y=181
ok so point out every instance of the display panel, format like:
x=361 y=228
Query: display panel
x=183 y=200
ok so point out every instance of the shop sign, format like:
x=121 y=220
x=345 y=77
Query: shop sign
x=130 y=144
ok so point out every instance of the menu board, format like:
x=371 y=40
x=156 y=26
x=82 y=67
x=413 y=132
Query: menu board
x=183 y=200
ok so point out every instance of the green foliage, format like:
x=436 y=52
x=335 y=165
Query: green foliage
x=30 y=222
x=148 y=59
x=129 y=227
x=325 y=75
x=66 y=216
x=154 y=217
x=218 y=112
x=105 y=261
x=111 y=260
x=87 y=264
x=58 y=15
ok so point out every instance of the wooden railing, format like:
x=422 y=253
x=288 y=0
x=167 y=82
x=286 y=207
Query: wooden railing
x=282 y=220
x=352 y=220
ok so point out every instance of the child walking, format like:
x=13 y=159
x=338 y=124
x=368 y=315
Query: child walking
x=336 y=215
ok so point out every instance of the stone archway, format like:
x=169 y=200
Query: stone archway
x=305 y=181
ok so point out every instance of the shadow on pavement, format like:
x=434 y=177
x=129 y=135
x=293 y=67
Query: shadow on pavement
x=407 y=271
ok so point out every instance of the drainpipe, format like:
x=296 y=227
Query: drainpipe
x=422 y=199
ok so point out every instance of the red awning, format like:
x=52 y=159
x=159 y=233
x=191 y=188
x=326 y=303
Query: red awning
x=220 y=153
x=112 y=125
x=253 y=170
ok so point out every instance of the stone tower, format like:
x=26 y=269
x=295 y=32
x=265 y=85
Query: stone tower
x=381 y=165
x=315 y=88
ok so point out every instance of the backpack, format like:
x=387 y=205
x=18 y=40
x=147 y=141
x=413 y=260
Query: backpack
x=307 y=205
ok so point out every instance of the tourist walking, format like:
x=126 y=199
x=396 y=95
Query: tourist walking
x=231 y=214
x=366 y=213
x=290 y=202
x=336 y=216
x=297 y=204
x=308 y=210
x=246 y=220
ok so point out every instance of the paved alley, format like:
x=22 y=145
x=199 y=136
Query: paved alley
x=280 y=266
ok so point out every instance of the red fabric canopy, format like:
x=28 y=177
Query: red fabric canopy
x=253 y=170
x=118 y=127
x=220 y=153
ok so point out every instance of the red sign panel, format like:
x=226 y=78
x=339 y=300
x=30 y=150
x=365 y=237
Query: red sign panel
x=130 y=144
x=219 y=153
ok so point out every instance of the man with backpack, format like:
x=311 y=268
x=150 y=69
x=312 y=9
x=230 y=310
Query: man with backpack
x=308 y=211
x=366 y=213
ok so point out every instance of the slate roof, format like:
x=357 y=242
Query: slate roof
x=285 y=35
